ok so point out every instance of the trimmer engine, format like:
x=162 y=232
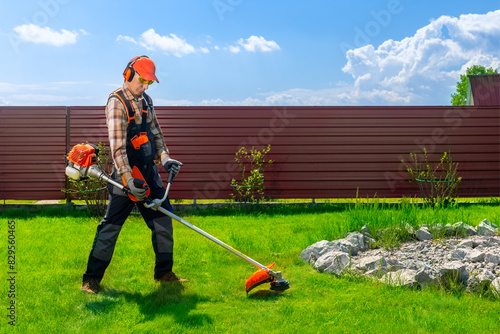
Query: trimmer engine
x=81 y=162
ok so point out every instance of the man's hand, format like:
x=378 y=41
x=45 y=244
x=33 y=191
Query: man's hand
x=156 y=204
x=139 y=193
x=171 y=166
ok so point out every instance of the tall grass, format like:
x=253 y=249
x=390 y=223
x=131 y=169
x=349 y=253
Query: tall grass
x=53 y=248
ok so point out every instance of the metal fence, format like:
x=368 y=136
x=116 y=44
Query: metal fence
x=318 y=152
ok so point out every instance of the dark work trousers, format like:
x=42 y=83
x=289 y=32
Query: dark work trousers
x=119 y=208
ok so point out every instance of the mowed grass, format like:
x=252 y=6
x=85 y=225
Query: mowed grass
x=52 y=249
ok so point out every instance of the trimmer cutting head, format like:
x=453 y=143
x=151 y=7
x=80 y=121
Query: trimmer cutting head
x=262 y=276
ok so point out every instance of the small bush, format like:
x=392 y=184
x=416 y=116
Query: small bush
x=253 y=163
x=438 y=181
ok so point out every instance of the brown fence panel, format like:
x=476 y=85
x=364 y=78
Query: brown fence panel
x=88 y=124
x=32 y=147
x=318 y=152
x=331 y=152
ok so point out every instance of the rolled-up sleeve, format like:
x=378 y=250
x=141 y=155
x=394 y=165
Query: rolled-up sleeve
x=117 y=121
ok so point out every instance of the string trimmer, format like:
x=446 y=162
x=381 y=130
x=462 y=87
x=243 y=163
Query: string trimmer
x=83 y=162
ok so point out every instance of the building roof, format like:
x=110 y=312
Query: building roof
x=484 y=90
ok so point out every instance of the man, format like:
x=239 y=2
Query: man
x=136 y=141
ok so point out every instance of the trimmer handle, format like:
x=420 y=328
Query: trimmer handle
x=140 y=183
x=170 y=177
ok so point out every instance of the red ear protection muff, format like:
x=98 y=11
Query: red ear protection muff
x=129 y=72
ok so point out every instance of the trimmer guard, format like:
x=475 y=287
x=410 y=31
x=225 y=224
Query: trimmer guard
x=261 y=276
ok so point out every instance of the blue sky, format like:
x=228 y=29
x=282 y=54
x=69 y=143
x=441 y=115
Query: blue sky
x=242 y=52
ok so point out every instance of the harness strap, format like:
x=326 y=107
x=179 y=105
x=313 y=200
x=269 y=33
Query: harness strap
x=146 y=102
x=141 y=135
x=126 y=103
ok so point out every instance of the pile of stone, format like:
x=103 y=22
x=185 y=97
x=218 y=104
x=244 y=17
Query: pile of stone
x=472 y=261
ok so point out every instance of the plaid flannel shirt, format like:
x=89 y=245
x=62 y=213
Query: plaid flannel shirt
x=117 y=121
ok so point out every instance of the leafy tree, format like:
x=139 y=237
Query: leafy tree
x=460 y=97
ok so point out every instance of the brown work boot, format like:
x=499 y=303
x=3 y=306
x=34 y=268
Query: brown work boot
x=171 y=277
x=91 y=286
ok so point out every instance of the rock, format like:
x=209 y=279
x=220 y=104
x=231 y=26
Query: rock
x=351 y=248
x=449 y=229
x=408 y=228
x=463 y=229
x=331 y=258
x=481 y=280
x=495 y=287
x=426 y=276
x=492 y=258
x=488 y=223
x=487 y=228
x=377 y=272
x=394 y=265
x=459 y=254
x=371 y=262
x=475 y=256
x=361 y=241
x=366 y=231
x=339 y=265
x=424 y=234
x=403 y=277
x=472 y=261
x=452 y=267
x=315 y=251
x=466 y=243
x=486 y=277
x=454 y=270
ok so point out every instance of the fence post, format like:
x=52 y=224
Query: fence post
x=68 y=142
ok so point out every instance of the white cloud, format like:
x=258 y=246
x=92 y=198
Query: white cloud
x=41 y=99
x=126 y=39
x=234 y=49
x=174 y=45
x=254 y=44
x=291 y=97
x=424 y=68
x=34 y=99
x=174 y=103
x=170 y=45
x=249 y=101
x=4 y=102
x=47 y=93
x=36 y=34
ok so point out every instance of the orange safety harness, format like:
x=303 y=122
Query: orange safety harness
x=142 y=137
x=137 y=136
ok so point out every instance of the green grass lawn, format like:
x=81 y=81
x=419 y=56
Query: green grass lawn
x=52 y=249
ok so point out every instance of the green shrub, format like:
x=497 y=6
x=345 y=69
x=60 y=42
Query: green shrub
x=438 y=181
x=253 y=163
